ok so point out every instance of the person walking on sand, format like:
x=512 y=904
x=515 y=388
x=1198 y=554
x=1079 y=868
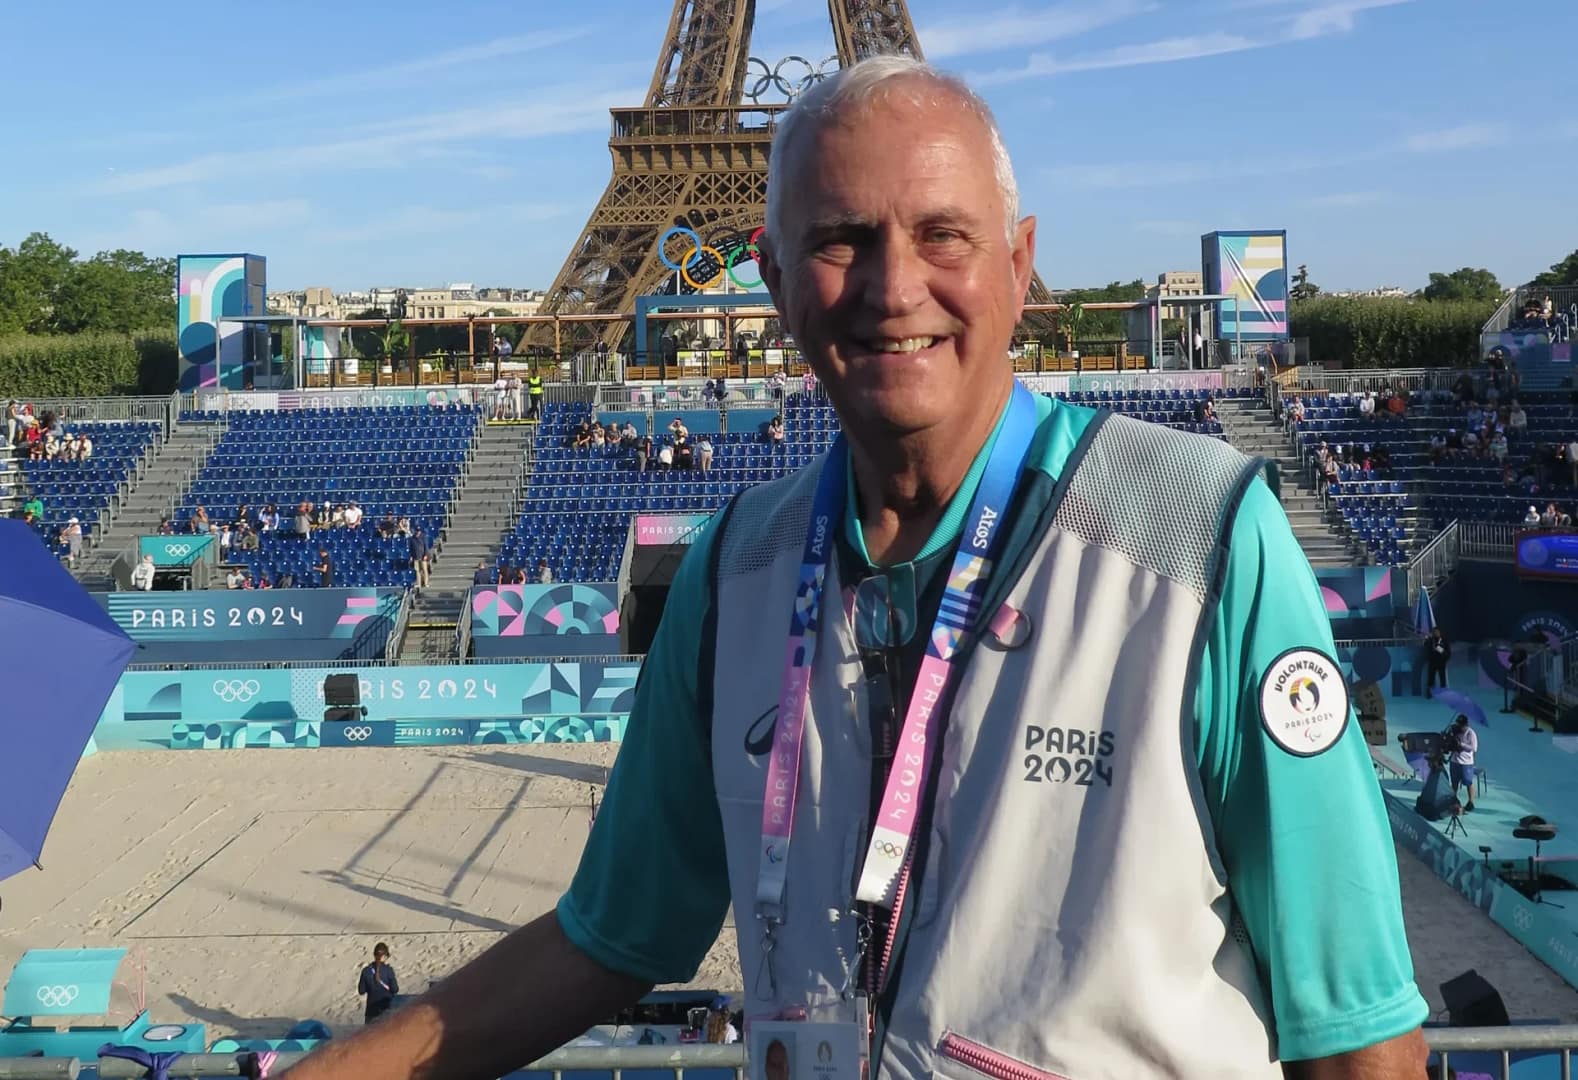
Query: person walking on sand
x=378 y=983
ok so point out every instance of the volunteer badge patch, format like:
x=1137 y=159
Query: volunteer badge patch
x=1304 y=702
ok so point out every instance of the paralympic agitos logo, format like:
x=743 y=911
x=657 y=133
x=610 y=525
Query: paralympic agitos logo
x=697 y=253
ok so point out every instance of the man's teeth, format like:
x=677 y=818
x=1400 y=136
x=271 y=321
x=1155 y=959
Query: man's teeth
x=903 y=345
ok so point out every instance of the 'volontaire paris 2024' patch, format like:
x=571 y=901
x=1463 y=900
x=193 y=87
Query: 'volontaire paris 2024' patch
x=1304 y=702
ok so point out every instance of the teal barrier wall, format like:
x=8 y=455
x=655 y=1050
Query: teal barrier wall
x=439 y=705
x=177 y=550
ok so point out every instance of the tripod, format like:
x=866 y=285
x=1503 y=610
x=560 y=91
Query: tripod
x=1455 y=826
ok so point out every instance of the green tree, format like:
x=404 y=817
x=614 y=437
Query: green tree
x=1562 y=273
x=118 y=291
x=31 y=280
x=1303 y=288
x=1469 y=283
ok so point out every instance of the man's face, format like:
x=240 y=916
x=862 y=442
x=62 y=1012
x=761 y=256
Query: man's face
x=895 y=237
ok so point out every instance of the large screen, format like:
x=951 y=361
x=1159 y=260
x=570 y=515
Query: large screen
x=1548 y=555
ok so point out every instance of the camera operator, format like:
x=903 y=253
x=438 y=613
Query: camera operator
x=1461 y=744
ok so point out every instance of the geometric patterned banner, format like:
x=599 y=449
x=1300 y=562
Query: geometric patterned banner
x=456 y=704
x=544 y=610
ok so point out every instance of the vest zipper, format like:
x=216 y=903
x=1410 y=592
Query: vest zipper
x=989 y=1062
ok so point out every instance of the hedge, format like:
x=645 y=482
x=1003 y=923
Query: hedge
x=1386 y=332
x=87 y=364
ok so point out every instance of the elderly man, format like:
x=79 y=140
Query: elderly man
x=1035 y=792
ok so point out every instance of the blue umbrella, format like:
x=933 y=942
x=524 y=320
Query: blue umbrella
x=59 y=644
x=1424 y=613
x=1460 y=702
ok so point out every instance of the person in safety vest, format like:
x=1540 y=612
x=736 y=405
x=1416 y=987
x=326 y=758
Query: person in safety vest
x=1010 y=730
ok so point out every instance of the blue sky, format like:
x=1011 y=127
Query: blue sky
x=356 y=144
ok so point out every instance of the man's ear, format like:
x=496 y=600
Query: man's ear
x=772 y=271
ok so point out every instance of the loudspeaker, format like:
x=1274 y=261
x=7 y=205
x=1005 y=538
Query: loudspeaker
x=343 y=716
x=1472 y=1002
x=342 y=691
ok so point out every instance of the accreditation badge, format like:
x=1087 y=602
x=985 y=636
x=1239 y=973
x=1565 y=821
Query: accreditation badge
x=807 y=1050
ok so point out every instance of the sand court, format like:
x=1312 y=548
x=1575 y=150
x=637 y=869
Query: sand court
x=254 y=882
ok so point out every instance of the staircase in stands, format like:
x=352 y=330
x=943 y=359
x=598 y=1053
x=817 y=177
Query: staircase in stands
x=485 y=509
x=171 y=466
x=1249 y=427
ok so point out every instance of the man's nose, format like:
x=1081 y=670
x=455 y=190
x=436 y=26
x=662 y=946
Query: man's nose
x=895 y=276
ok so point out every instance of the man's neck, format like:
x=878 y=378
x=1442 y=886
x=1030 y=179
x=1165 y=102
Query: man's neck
x=904 y=486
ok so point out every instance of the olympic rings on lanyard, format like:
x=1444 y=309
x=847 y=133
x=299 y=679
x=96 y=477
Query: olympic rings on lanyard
x=726 y=263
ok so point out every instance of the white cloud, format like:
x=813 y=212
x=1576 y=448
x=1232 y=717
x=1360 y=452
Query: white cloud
x=1341 y=200
x=400 y=72
x=576 y=110
x=1325 y=20
x=1462 y=137
x=1016 y=28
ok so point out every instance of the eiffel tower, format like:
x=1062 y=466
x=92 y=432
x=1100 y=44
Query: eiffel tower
x=695 y=155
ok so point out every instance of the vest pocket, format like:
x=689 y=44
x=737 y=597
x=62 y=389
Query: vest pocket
x=988 y=1062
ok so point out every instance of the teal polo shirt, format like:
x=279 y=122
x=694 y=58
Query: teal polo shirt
x=1305 y=840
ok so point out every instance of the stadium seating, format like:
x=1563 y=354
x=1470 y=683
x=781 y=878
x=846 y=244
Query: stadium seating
x=1390 y=511
x=403 y=461
x=85 y=489
x=579 y=503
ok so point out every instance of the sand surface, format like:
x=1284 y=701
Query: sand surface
x=254 y=883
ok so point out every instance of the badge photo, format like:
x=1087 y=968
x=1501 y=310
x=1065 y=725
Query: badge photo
x=798 y=1050
x=1304 y=702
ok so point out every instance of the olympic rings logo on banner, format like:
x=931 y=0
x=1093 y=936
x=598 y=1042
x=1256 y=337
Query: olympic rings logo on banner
x=55 y=997
x=889 y=849
x=726 y=263
x=178 y=549
x=236 y=689
x=357 y=734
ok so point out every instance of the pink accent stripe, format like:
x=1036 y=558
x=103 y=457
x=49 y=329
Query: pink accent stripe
x=989 y=1062
x=361 y=601
x=349 y=619
x=783 y=768
x=914 y=749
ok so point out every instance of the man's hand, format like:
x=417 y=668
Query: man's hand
x=1402 y=1058
x=525 y=997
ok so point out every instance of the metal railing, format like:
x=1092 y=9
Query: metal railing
x=158 y=409
x=1487 y=540
x=1434 y=563
x=396 y=636
x=1556 y=1040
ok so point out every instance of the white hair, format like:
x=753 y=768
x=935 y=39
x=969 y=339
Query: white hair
x=863 y=84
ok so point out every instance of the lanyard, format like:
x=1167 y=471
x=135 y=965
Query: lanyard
x=972 y=568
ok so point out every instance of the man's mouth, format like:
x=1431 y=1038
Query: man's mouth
x=899 y=346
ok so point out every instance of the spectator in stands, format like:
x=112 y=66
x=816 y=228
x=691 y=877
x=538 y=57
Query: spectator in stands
x=1397 y=406
x=1367 y=406
x=643 y=453
x=1517 y=418
x=224 y=539
x=71 y=536
x=324 y=516
x=599 y=439
x=501 y=392
x=417 y=548
x=544 y=575
x=249 y=539
x=324 y=568
x=1551 y=517
x=142 y=575
x=13 y=422
x=378 y=984
x=677 y=429
x=1498 y=446
x=264 y=582
x=233 y=579
x=1471 y=443
x=353 y=515
x=386 y=527
x=720 y=392
x=303 y=521
x=166 y=528
x=775 y=431
x=512 y=575
x=34 y=506
x=775 y=387
x=484 y=574
x=286 y=580
x=403 y=527
x=704 y=455
x=1463 y=389
x=200 y=523
x=684 y=455
x=582 y=439
x=1532 y=518
x=808 y=384
x=665 y=456
x=1295 y=414
x=1204 y=410
x=628 y=436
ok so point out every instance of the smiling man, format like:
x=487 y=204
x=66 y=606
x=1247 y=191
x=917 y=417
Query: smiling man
x=1040 y=782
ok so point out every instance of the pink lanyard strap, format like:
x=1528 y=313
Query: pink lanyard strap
x=974 y=561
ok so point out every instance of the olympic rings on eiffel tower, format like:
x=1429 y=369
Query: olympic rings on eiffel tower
x=725 y=263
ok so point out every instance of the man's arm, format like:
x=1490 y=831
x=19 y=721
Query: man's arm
x=363 y=984
x=1301 y=825
x=523 y=998
x=1402 y=1058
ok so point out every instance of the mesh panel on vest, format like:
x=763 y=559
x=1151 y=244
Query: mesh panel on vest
x=1153 y=495
x=767 y=520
